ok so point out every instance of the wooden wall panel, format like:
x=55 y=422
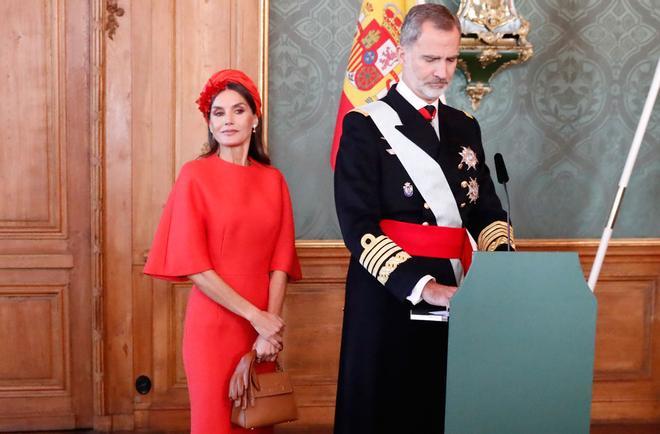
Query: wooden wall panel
x=30 y=196
x=177 y=311
x=45 y=297
x=627 y=377
x=34 y=336
x=203 y=43
x=625 y=321
x=117 y=237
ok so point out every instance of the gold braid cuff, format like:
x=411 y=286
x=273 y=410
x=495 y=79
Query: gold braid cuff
x=381 y=256
x=493 y=236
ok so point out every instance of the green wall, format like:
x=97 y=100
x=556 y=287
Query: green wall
x=564 y=120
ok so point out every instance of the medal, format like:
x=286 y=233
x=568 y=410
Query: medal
x=408 y=189
x=468 y=157
x=473 y=190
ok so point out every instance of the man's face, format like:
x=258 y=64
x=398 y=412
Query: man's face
x=430 y=62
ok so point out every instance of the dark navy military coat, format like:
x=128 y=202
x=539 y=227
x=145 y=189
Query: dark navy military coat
x=392 y=369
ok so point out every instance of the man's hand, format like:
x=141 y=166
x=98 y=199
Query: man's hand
x=436 y=294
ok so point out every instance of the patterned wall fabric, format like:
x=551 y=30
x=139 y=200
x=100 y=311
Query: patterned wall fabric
x=564 y=120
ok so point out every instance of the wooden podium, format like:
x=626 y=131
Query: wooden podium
x=521 y=346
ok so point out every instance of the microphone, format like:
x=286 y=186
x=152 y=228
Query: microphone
x=500 y=169
x=503 y=178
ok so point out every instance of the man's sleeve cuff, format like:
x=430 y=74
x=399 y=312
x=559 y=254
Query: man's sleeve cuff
x=416 y=294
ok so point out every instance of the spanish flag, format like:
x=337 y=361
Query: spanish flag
x=372 y=64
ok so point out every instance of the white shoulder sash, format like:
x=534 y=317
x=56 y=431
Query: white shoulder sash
x=425 y=172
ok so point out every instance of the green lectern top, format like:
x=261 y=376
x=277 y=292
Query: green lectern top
x=521 y=346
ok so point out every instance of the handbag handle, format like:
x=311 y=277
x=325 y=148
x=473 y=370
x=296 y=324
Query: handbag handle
x=254 y=378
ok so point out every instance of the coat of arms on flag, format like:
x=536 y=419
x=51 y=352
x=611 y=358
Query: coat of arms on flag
x=373 y=64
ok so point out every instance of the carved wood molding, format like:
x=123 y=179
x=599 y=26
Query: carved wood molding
x=584 y=246
x=333 y=252
x=112 y=12
x=97 y=79
x=36 y=261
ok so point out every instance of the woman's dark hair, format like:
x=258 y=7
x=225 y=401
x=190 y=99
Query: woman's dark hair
x=257 y=150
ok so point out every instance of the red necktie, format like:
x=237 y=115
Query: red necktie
x=428 y=112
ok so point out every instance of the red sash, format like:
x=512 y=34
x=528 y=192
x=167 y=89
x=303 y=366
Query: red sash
x=430 y=241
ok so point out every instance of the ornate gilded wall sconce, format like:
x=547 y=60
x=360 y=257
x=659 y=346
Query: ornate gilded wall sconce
x=493 y=37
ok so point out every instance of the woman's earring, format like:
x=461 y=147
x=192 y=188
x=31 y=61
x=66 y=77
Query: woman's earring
x=254 y=129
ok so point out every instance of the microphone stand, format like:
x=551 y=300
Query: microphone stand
x=508 y=218
x=503 y=178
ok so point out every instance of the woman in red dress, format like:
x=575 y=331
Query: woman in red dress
x=228 y=227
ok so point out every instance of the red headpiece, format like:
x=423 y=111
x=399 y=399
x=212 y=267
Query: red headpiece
x=218 y=82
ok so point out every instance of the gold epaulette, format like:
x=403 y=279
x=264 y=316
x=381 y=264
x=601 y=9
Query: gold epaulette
x=468 y=114
x=359 y=110
x=381 y=256
x=493 y=236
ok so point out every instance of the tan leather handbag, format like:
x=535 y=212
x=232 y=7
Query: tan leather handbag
x=272 y=393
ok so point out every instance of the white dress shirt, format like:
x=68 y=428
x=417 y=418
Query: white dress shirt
x=417 y=102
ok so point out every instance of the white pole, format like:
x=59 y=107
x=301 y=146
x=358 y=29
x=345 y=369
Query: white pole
x=625 y=177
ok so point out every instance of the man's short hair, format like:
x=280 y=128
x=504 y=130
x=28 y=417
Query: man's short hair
x=438 y=15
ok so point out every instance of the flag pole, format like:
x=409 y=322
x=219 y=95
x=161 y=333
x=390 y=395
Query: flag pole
x=625 y=177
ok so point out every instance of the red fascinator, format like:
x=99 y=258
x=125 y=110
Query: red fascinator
x=218 y=82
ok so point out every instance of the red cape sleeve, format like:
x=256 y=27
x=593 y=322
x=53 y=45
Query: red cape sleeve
x=285 y=257
x=180 y=247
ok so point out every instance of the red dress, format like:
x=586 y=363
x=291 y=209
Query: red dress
x=236 y=220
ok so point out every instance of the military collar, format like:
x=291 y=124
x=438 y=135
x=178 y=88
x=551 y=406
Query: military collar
x=414 y=126
x=410 y=96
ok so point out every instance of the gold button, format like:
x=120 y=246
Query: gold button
x=425 y=224
x=426 y=205
x=460 y=166
x=464 y=184
x=463 y=205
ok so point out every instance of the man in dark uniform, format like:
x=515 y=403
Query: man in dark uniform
x=414 y=197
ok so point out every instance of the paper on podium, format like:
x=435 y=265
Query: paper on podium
x=423 y=311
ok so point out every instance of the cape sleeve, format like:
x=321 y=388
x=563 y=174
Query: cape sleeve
x=285 y=257
x=180 y=247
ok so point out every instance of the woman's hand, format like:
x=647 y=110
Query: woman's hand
x=240 y=381
x=269 y=326
x=266 y=352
